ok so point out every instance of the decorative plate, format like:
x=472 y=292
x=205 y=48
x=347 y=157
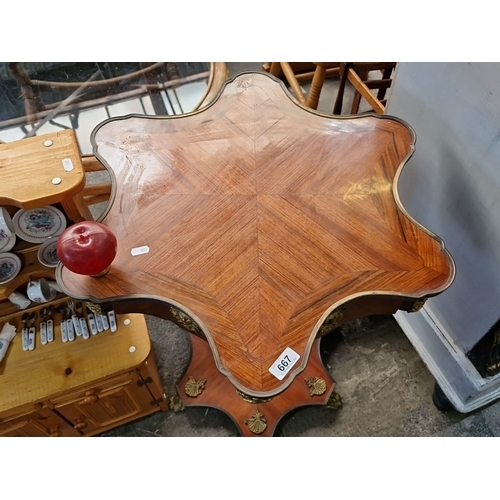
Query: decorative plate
x=7 y=244
x=36 y=225
x=47 y=253
x=10 y=265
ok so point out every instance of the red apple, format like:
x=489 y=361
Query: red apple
x=87 y=247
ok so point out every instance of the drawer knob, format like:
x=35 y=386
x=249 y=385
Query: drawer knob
x=90 y=398
x=54 y=431
x=80 y=424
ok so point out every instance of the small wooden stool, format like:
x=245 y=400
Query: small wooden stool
x=294 y=73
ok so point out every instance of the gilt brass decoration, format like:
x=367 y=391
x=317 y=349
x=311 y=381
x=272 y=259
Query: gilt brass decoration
x=417 y=305
x=252 y=400
x=95 y=308
x=257 y=423
x=194 y=388
x=493 y=358
x=176 y=403
x=332 y=320
x=184 y=320
x=335 y=402
x=317 y=386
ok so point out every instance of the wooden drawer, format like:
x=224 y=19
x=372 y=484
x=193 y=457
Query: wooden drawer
x=39 y=423
x=107 y=404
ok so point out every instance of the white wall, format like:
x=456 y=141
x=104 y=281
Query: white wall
x=452 y=183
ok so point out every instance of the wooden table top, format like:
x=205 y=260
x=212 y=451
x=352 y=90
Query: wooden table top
x=261 y=217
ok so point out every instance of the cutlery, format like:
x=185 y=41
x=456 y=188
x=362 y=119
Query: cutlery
x=82 y=320
x=50 y=324
x=43 y=326
x=64 y=330
x=98 y=320
x=70 y=329
x=32 y=332
x=92 y=322
x=24 y=331
x=105 y=323
x=74 y=318
x=112 y=320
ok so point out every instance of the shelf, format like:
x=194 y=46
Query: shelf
x=30 y=266
x=10 y=313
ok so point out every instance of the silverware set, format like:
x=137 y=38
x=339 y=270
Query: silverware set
x=73 y=323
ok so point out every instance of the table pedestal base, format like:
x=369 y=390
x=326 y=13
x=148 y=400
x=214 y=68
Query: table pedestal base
x=204 y=385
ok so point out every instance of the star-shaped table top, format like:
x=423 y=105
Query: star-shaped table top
x=261 y=217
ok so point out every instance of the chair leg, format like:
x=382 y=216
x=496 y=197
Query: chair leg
x=292 y=81
x=337 y=108
x=275 y=69
x=316 y=86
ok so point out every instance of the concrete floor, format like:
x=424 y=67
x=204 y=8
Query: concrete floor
x=385 y=387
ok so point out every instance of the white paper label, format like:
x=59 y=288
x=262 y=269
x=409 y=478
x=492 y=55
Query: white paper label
x=139 y=250
x=67 y=164
x=284 y=363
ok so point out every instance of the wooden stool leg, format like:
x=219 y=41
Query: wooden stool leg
x=275 y=69
x=76 y=208
x=292 y=81
x=316 y=86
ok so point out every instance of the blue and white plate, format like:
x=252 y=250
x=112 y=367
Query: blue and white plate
x=36 y=225
x=7 y=244
x=10 y=265
x=47 y=253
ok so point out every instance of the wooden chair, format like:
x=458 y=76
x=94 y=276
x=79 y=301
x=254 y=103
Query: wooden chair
x=358 y=74
x=294 y=73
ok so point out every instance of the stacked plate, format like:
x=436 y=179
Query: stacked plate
x=40 y=225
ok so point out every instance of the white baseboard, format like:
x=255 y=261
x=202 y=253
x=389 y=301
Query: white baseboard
x=453 y=371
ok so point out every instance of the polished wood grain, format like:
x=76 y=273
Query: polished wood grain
x=29 y=159
x=261 y=217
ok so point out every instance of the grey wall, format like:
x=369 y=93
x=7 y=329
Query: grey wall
x=452 y=183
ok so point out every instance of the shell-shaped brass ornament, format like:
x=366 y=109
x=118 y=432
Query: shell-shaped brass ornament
x=176 y=403
x=257 y=423
x=335 y=402
x=317 y=386
x=194 y=387
x=417 y=305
